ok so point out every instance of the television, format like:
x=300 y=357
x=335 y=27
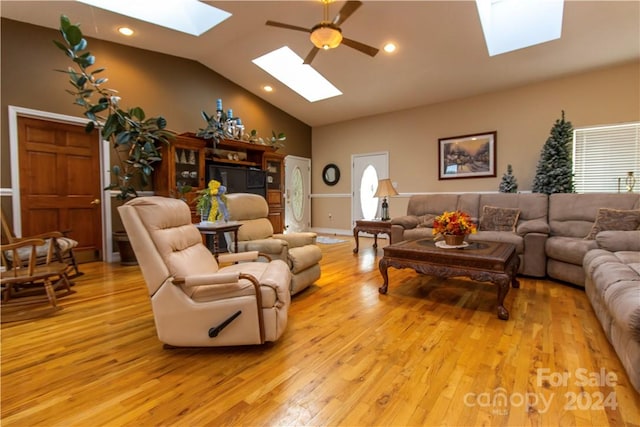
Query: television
x=239 y=179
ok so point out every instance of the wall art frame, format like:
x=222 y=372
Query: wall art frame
x=467 y=156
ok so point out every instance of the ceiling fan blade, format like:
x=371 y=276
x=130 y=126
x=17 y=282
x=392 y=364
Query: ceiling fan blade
x=346 y=11
x=287 y=26
x=312 y=54
x=368 y=50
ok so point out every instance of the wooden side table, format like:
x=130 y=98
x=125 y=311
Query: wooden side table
x=371 y=226
x=213 y=228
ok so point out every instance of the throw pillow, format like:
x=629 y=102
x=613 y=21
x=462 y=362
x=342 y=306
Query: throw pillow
x=499 y=219
x=614 y=219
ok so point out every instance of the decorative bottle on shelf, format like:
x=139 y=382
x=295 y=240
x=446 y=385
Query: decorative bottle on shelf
x=630 y=181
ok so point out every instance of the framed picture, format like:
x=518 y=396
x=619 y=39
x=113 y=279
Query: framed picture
x=467 y=156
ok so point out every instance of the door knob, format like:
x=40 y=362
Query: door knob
x=95 y=202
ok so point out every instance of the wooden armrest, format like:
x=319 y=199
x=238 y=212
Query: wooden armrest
x=22 y=243
x=48 y=235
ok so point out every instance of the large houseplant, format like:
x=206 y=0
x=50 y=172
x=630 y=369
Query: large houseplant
x=136 y=140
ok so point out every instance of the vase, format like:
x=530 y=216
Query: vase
x=454 y=239
x=127 y=255
x=630 y=181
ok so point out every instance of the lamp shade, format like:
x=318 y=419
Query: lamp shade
x=385 y=188
x=326 y=36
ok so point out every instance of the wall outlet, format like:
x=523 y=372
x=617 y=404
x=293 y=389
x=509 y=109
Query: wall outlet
x=330 y=217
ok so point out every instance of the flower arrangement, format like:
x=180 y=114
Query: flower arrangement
x=455 y=223
x=211 y=202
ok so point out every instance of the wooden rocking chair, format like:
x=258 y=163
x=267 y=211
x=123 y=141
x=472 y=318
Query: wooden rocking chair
x=62 y=247
x=25 y=279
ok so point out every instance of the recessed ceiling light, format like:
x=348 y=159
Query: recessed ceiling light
x=389 y=47
x=515 y=24
x=188 y=16
x=125 y=31
x=267 y=88
x=286 y=66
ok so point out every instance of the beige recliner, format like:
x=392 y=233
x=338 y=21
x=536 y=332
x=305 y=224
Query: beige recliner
x=298 y=250
x=194 y=301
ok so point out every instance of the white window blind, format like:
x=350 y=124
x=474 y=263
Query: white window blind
x=603 y=155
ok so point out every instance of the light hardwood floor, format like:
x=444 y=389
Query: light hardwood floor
x=430 y=352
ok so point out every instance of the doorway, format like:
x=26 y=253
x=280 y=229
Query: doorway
x=56 y=180
x=367 y=170
x=297 y=215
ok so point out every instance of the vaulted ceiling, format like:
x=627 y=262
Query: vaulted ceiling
x=441 y=50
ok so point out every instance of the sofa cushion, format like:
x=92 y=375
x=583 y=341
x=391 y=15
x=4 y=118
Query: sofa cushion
x=498 y=236
x=499 y=219
x=619 y=240
x=573 y=215
x=568 y=249
x=418 y=233
x=614 y=219
x=406 y=221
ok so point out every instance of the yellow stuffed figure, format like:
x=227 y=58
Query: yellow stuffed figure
x=218 y=201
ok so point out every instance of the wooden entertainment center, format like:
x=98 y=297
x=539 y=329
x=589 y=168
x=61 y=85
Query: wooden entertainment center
x=185 y=163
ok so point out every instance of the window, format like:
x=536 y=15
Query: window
x=604 y=155
x=368 y=187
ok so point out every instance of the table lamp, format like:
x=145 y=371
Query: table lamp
x=385 y=189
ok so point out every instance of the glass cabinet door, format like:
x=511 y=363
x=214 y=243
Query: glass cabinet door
x=273 y=174
x=187 y=167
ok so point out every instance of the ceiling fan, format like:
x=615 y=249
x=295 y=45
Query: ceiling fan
x=328 y=34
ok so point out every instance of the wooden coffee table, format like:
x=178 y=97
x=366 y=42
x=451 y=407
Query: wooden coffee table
x=482 y=261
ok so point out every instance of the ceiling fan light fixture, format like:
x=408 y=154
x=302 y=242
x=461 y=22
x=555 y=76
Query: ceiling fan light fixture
x=326 y=36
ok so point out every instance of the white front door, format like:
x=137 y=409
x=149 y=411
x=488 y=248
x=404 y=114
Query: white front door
x=297 y=196
x=367 y=170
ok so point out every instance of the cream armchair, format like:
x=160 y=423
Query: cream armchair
x=298 y=250
x=194 y=301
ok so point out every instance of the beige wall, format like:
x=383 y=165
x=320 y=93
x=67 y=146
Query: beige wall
x=522 y=117
x=176 y=88
x=179 y=89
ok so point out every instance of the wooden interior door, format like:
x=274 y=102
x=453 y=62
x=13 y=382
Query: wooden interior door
x=60 y=183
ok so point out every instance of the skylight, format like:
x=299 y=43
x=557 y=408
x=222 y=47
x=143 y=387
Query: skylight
x=286 y=66
x=515 y=24
x=188 y=16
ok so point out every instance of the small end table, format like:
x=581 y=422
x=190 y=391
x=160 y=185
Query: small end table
x=213 y=228
x=371 y=226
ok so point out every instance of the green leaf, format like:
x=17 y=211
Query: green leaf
x=64 y=48
x=137 y=112
x=72 y=35
x=64 y=22
x=115 y=169
x=89 y=127
x=161 y=122
x=123 y=138
x=80 y=46
x=98 y=107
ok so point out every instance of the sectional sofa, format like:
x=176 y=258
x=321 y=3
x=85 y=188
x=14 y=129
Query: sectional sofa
x=586 y=240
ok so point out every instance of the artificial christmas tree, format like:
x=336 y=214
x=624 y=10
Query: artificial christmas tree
x=554 y=173
x=509 y=184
